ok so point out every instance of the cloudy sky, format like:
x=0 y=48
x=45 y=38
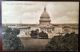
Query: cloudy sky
x=28 y=12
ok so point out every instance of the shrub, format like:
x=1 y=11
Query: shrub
x=33 y=34
x=43 y=35
x=11 y=41
x=69 y=42
x=15 y=31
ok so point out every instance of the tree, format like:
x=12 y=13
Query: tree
x=6 y=38
x=34 y=34
x=16 y=42
x=43 y=35
x=11 y=41
x=69 y=42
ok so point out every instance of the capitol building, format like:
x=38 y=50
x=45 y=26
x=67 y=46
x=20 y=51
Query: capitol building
x=46 y=26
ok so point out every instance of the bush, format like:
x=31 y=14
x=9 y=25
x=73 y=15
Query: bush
x=16 y=31
x=69 y=42
x=33 y=34
x=7 y=30
x=11 y=41
x=43 y=35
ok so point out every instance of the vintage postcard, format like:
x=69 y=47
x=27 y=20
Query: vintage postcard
x=40 y=26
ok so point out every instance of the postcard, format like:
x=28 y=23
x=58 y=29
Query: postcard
x=40 y=26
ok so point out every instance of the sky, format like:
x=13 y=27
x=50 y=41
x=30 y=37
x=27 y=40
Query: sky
x=29 y=12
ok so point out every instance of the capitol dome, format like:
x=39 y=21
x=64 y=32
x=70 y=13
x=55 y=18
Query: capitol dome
x=45 y=14
x=45 y=18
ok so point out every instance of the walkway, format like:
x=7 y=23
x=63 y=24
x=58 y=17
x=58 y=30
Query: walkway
x=34 y=44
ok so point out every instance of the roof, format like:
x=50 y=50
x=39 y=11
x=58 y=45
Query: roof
x=45 y=14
